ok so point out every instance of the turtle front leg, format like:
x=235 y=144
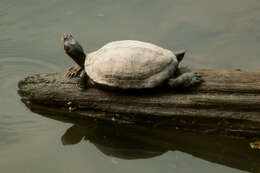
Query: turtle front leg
x=84 y=78
x=185 y=80
x=74 y=72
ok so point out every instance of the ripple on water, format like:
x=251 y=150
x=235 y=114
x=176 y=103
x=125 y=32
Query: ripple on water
x=15 y=117
x=13 y=69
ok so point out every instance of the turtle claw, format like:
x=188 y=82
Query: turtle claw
x=197 y=74
x=196 y=78
x=73 y=72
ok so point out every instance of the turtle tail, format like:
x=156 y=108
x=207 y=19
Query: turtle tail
x=179 y=55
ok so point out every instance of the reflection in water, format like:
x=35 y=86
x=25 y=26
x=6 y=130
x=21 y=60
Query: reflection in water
x=135 y=142
x=117 y=141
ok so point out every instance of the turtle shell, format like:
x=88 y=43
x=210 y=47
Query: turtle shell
x=130 y=64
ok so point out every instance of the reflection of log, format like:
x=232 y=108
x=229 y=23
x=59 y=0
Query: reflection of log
x=134 y=142
x=227 y=102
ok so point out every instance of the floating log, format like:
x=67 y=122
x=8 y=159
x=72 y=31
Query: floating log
x=228 y=102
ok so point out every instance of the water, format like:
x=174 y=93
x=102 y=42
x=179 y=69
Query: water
x=217 y=34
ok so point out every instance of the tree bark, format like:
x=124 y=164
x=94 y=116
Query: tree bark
x=227 y=102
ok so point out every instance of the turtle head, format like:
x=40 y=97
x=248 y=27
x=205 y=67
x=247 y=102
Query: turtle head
x=67 y=37
x=73 y=49
x=179 y=55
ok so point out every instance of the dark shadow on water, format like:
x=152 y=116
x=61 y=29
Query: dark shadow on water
x=134 y=142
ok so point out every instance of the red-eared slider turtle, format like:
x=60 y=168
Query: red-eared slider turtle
x=128 y=64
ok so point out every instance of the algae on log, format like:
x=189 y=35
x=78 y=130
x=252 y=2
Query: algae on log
x=228 y=102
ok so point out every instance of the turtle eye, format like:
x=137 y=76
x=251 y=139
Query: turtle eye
x=65 y=36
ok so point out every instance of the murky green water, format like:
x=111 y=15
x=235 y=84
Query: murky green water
x=217 y=34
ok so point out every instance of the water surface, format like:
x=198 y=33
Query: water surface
x=217 y=34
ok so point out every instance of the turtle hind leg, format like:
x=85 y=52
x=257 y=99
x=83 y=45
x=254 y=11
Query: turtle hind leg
x=74 y=72
x=185 y=80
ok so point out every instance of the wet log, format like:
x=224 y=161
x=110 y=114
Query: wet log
x=228 y=102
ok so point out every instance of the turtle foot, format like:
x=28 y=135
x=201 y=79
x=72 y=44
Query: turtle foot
x=73 y=72
x=186 y=80
x=195 y=78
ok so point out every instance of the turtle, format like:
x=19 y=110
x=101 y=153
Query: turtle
x=128 y=64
